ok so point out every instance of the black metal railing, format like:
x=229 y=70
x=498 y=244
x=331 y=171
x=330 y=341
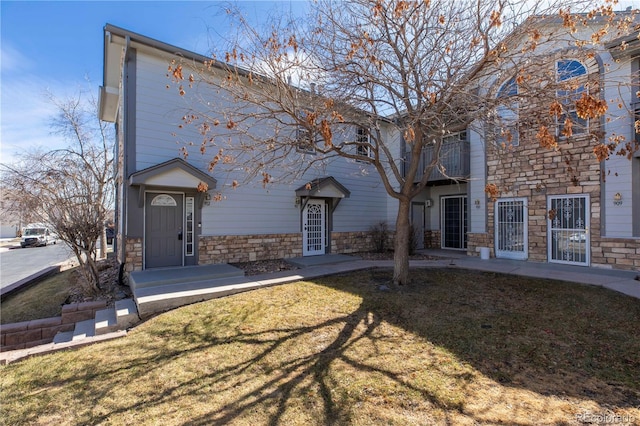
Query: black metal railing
x=454 y=159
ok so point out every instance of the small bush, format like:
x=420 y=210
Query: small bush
x=379 y=234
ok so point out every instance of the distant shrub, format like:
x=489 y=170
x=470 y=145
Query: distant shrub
x=379 y=234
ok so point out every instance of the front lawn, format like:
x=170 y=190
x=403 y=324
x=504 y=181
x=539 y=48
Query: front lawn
x=458 y=347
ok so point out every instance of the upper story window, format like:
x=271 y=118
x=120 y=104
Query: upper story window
x=507 y=115
x=363 y=142
x=305 y=139
x=571 y=75
x=455 y=137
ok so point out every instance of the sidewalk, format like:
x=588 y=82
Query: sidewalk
x=627 y=282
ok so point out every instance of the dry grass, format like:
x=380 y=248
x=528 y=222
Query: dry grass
x=42 y=300
x=460 y=347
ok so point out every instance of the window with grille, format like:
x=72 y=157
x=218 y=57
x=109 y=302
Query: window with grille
x=363 y=143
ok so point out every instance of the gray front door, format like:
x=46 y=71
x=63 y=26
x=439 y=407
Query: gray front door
x=163 y=230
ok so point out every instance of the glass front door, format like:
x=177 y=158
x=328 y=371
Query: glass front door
x=454 y=222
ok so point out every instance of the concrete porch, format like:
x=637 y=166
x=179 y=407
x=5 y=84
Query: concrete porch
x=162 y=289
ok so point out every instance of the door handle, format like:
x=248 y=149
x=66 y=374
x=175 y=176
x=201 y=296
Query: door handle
x=179 y=236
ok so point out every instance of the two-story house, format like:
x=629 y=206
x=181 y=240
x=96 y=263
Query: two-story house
x=171 y=211
x=552 y=205
x=558 y=203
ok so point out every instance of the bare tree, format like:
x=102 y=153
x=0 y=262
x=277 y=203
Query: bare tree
x=69 y=189
x=409 y=72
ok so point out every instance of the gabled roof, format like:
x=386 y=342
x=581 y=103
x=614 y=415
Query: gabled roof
x=327 y=187
x=117 y=42
x=175 y=173
x=625 y=46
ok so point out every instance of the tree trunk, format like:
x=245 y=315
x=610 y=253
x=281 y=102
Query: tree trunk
x=102 y=253
x=401 y=244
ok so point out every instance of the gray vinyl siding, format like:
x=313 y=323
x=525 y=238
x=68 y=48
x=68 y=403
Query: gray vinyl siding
x=250 y=209
x=617 y=221
x=476 y=185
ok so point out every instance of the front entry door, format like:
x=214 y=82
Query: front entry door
x=454 y=222
x=313 y=228
x=568 y=226
x=511 y=228
x=163 y=230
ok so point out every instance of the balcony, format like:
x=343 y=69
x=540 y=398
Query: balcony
x=454 y=157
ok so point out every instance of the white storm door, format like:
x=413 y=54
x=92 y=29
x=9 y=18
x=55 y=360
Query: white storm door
x=568 y=229
x=313 y=228
x=511 y=228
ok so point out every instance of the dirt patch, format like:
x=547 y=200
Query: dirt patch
x=110 y=288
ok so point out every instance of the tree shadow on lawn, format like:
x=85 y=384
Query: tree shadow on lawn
x=431 y=350
x=556 y=339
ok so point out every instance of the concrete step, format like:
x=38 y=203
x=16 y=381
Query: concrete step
x=63 y=337
x=106 y=321
x=84 y=329
x=126 y=313
x=169 y=276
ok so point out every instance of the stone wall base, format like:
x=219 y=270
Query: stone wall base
x=248 y=248
x=617 y=253
x=27 y=334
x=432 y=239
x=133 y=254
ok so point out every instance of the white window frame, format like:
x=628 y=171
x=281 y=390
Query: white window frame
x=567 y=99
x=363 y=143
x=304 y=143
x=508 y=116
x=189 y=234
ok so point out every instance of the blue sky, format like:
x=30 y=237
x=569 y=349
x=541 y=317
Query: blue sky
x=53 y=45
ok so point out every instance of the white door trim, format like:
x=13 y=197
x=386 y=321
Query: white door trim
x=568 y=237
x=314 y=228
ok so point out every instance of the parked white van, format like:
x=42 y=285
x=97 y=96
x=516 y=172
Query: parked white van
x=37 y=234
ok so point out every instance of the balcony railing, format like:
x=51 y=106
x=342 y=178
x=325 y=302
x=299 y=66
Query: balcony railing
x=454 y=157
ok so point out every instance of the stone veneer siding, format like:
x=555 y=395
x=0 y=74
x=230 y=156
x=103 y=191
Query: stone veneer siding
x=354 y=242
x=432 y=239
x=534 y=173
x=133 y=254
x=474 y=241
x=248 y=248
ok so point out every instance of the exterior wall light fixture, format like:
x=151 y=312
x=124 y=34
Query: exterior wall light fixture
x=617 y=199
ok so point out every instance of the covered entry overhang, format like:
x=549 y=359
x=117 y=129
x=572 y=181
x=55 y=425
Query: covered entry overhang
x=326 y=187
x=318 y=199
x=173 y=174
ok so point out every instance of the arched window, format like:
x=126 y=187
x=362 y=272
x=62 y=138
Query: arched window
x=570 y=73
x=507 y=116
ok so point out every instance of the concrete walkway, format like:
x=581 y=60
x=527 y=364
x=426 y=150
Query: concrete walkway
x=627 y=282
